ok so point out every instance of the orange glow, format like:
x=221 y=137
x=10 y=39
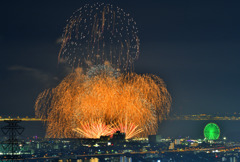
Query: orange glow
x=85 y=105
x=96 y=99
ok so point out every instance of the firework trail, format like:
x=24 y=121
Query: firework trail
x=82 y=104
x=98 y=33
x=100 y=97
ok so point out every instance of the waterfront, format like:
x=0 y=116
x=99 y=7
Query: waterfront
x=170 y=128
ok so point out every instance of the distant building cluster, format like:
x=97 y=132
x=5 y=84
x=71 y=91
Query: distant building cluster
x=153 y=148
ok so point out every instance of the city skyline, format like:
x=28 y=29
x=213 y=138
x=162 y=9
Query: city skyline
x=115 y=80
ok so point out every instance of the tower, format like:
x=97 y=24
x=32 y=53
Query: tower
x=12 y=130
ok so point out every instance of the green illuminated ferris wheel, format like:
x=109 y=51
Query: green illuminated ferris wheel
x=211 y=131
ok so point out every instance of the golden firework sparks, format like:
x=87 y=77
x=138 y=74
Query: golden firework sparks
x=101 y=100
x=129 y=102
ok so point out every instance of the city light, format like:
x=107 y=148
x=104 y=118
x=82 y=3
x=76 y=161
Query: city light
x=211 y=131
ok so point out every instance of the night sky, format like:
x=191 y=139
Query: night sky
x=192 y=45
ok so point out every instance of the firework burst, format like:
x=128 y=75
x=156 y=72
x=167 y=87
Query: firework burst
x=98 y=33
x=94 y=129
x=100 y=96
x=81 y=104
